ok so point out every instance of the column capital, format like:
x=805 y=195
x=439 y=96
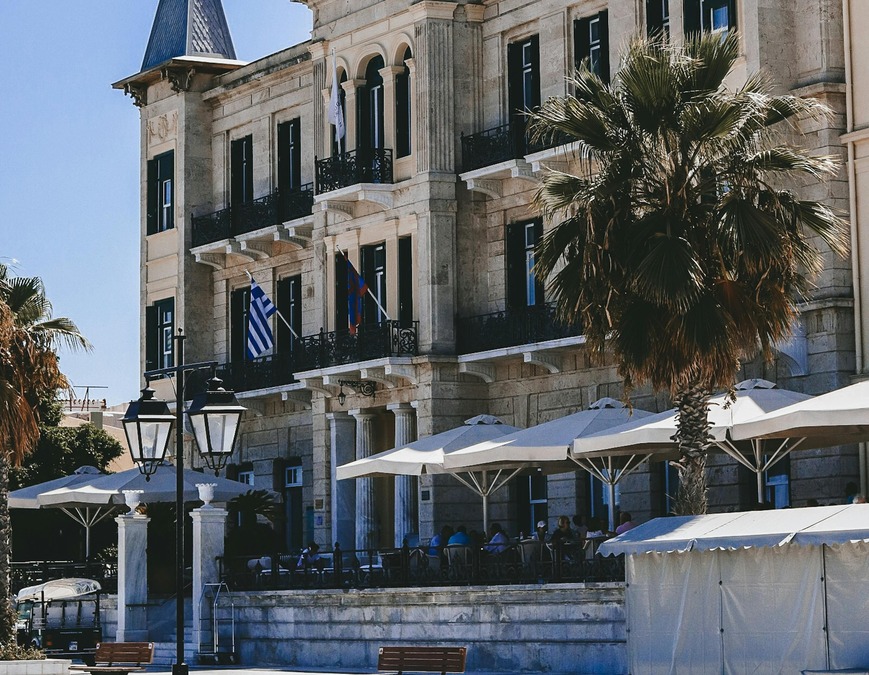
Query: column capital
x=386 y=71
x=433 y=9
x=362 y=413
x=350 y=86
x=401 y=408
x=337 y=416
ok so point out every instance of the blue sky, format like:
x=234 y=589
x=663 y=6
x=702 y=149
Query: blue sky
x=69 y=161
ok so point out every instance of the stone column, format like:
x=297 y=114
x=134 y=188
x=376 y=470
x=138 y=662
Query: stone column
x=434 y=93
x=132 y=578
x=351 y=137
x=366 y=515
x=209 y=529
x=389 y=73
x=342 y=436
x=406 y=487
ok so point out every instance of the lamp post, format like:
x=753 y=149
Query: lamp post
x=215 y=417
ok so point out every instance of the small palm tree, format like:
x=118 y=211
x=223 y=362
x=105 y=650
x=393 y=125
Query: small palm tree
x=678 y=247
x=29 y=371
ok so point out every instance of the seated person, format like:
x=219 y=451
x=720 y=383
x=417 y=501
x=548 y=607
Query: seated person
x=625 y=523
x=563 y=534
x=437 y=543
x=310 y=557
x=541 y=532
x=595 y=530
x=460 y=538
x=498 y=542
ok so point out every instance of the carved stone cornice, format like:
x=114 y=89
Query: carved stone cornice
x=138 y=92
x=180 y=79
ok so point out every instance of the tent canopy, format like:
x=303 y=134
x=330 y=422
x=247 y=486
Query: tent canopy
x=812 y=526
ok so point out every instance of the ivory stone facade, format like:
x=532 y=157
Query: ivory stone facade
x=428 y=196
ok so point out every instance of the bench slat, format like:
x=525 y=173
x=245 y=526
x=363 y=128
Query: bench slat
x=422 y=659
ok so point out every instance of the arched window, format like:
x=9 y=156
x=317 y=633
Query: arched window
x=370 y=101
x=403 y=125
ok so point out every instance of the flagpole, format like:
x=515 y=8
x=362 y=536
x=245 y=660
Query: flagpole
x=373 y=297
x=278 y=312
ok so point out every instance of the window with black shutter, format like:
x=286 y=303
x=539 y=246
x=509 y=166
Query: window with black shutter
x=591 y=43
x=289 y=304
x=712 y=16
x=159 y=329
x=342 y=319
x=405 y=281
x=523 y=287
x=241 y=170
x=403 y=126
x=239 y=306
x=289 y=164
x=161 y=196
x=373 y=263
x=658 y=18
x=523 y=85
x=370 y=99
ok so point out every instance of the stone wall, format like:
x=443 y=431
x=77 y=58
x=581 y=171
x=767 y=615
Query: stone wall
x=563 y=628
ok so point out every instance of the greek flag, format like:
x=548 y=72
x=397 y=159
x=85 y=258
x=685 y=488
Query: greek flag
x=259 y=333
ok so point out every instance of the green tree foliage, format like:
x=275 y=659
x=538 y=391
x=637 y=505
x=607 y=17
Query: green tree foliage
x=683 y=245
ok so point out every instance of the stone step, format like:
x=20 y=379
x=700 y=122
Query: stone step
x=164 y=653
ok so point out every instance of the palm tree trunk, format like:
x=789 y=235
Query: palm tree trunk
x=7 y=614
x=692 y=437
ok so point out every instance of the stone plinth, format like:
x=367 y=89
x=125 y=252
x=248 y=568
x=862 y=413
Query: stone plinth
x=132 y=577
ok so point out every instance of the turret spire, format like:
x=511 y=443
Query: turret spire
x=188 y=28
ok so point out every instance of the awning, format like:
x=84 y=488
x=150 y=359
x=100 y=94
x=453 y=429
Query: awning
x=811 y=526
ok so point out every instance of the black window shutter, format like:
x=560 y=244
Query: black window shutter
x=538 y=283
x=238 y=324
x=248 y=168
x=284 y=170
x=514 y=77
x=691 y=21
x=515 y=253
x=366 y=270
x=405 y=281
x=283 y=302
x=535 y=72
x=152 y=339
x=654 y=17
x=604 y=46
x=402 y=113
x=152 y=197
x=236 y=179
x=165 y=171
x=341 y=318
x=731 y=14
x=581 y=44
x=296 y=162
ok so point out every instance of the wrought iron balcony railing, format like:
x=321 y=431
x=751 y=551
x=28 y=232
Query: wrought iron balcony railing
x=372 y=341
x=277 y=207
x=364 y=165
x=499 y=144
x=261 y=373
x=512 y=327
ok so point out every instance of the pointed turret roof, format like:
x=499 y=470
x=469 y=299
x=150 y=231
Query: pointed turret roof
x=195 y=28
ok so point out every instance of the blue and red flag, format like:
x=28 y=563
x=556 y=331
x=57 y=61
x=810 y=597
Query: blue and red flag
x=356 y=290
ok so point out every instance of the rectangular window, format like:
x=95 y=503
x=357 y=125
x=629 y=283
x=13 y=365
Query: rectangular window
x=239 y=306
x=246 y=477
x=403 y=110
x=241 y=170
x=591 y=43
x=658 y=18
x=599 y=499
x=289 y=304
x=532 y=502
x=405 y=281
x=293 y=476
x=523 y=85
x=523 y=287
x=341 y=317
x=161 y=171
x=289 y=162
x=159 y=329
x=777 y=480
x=373 y=263
x=713 y=16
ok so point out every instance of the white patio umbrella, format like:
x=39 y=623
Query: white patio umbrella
x=86 y=516
x=835 y=418
x=426 y=456
x=546 y=446
x=654 y=435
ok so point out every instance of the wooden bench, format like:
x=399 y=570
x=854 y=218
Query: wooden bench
x=119 y=658
x=422 y=659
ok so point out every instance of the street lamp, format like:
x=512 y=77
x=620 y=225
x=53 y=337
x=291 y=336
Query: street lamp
x=215 y=417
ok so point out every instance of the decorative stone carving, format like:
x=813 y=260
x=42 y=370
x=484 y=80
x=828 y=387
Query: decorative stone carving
x=138 y=93
x=180 y=79
x=162 y=128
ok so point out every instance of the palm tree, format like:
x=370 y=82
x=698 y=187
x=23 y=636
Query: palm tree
x=29 y=371
x=678 y=246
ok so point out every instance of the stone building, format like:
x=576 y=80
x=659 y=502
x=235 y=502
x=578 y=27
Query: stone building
x=427 y=194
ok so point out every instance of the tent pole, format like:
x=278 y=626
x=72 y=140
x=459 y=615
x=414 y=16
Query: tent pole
x=612 y=505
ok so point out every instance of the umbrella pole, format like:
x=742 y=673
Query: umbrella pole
x=612 y=504
x=485 y=492
x=758 y=459
x=87 y=542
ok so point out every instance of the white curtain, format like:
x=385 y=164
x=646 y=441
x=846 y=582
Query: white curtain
x=847 y=573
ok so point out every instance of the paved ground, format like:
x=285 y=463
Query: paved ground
x=223 y=670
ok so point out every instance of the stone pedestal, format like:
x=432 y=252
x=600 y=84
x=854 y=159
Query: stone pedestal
x=132 y=578
x=366 y=514
x=406 y=487
x=209 y=529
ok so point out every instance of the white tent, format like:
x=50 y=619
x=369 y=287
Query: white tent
x=545 y=446
x=426 y=456
x=838 y=417
x=654 y=435
x=762 y=592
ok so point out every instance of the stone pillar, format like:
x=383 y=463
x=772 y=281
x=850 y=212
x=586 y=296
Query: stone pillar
x=434 y=92
x=132 y=578
x=366 y=514
x=351 y=137
x=406 y=487
x=209 y=530
x=389 y=73
x=342 y=436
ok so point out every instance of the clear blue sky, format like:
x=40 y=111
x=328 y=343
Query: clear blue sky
x=69 y=161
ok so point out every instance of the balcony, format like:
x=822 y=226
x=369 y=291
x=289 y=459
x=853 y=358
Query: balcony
x=364 y=165
x=512 y=327
x=262 y=373
x=278 y=207
x=372 y=341
x=492 y=146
